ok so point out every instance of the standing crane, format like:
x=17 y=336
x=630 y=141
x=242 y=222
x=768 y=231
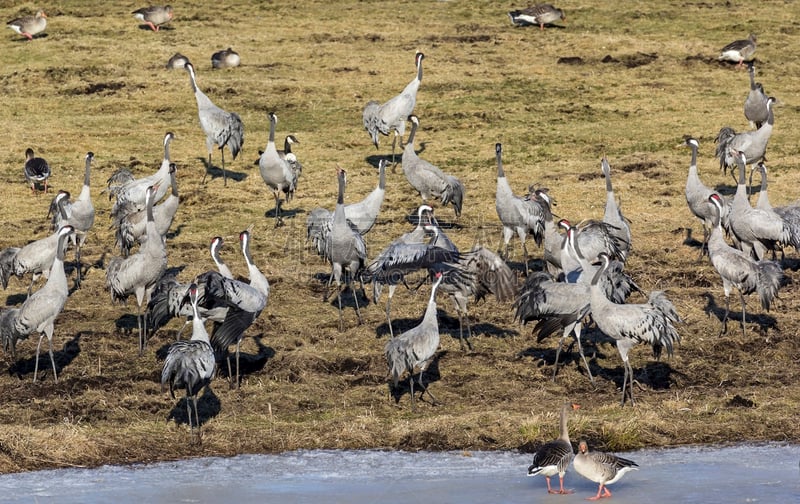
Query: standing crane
x=555 y=456
x=36 y=170
x=629 y=324
x=755 y=105
x=361 y=214
x=739 y=270
x=278 y=172
x=80 y=214
x=752 y=143
x=391 y=115
x=789 y=213
x=346 y=250
x=697 y=194
x=138 y=273
x=429 y=180
x=221 y=127
x=415 y=348
x=130 y=191
x=756 y=229
x=131 y=227
x=40 y=310
x=620 y=227
x=518 y=215
x=190 y=364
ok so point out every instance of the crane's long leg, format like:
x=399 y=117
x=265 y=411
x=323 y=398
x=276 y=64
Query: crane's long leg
x=78 y=264
x=577 y=330
x=278 y=218
x=558 y=352
x=208 y=167
x=463 y=316
x=425 y=389
x=196 y=415
x=36 y=365
x=389 y=309
x=224 y=175
x=52 y=359
x=238 y=342
x=741 y=296
x=724 y=328
x=339 y=298
x=189 y=411
x=394 y=144
x=411 y=388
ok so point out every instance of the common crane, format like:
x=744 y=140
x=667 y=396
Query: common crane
x=697 y=194
x=752 y=143
x=755 y=105
x=391 y=116
x=130 y=191
x=190 y=364
x=278 y=172
x=415 y=348
x=138 y=273
x=429 y=180
x=620 y=227
x=221 y=127
x=519 y=215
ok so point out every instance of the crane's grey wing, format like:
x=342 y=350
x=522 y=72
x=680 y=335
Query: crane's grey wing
x=492 y=274
x=232 y=328
x=7 y=264
x=401 y=258
x=189 y=364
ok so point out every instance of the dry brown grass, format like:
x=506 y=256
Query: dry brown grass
x=97 y=82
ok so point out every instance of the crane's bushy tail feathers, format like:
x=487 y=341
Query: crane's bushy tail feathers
x=770 y=276
x=454 y=193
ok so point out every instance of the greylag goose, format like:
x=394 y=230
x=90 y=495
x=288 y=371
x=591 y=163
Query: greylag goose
x=154 y=16
x=540 y=14
x=602 y=468
x=37 y=171
x=226 y=58
x=28 y=26
x=739 y=50
x=554 y=457
x=177 y=61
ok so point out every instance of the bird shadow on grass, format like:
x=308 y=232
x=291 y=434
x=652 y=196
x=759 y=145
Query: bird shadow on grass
x=448 y=324
x=285 y=213
x=569 y=356
x=348 y=293
x=430 y=375
x=208 y=407
x=248 y=363
x=146 y=27
x=215 y=172
x=764 y=321
x=68 y=353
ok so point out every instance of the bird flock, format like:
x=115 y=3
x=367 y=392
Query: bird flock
x=583 y=282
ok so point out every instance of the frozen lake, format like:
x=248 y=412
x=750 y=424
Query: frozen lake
x=763 y=473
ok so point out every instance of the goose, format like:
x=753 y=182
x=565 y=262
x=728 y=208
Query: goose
x=226 y=58
x=540 y=14
x=28 y=26
x=602 y=468
x=177 y=61
x=154 y=16
x=36 y=170
x=554 y=457
x=739 y=50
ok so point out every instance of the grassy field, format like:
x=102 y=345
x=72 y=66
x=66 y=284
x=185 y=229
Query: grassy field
x=627 y=81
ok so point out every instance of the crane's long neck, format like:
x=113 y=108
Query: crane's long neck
x=752 y=73
x=167 y=141
x=272 y=130
x=173 y=180
x=192 y=79
x=410 y=140
x=693 y=164
x=198 y=327
x=419 y=69
x=87 y=172
x=599 y=273
x=257 y=279
x=430 y=311
x=607 y=173
x=500 y=172
x=770 y=117
x=382 y=176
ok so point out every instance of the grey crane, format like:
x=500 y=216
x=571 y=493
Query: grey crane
x=752 y=143
x=620 y=227
x=35 y=258
x=361 y=214
x=40 y=310
x=278 y=172
x=789 y=213
x=8 y=337
x=628 y=324
x=602 y=468
x=739 y=50
x=169 y=296
x=131 y=227
x=697 y=194
x=582 y=245
x=517 y=214
x=130 y=192
x=540 y=14
x=555 y=456
x=154 y=15
x=190 y=364
x=36 y=170
x=415 y=348
x=552 y=239
x=221 y=127
x=756 y=230
x=739 y=270
x=80 y=214
x=138 y=273
x=346 y=250
x=427 y=179
x=755 y=105
x=404 y=255
x=477 y=274
x=391 y=116
x=244 y=303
